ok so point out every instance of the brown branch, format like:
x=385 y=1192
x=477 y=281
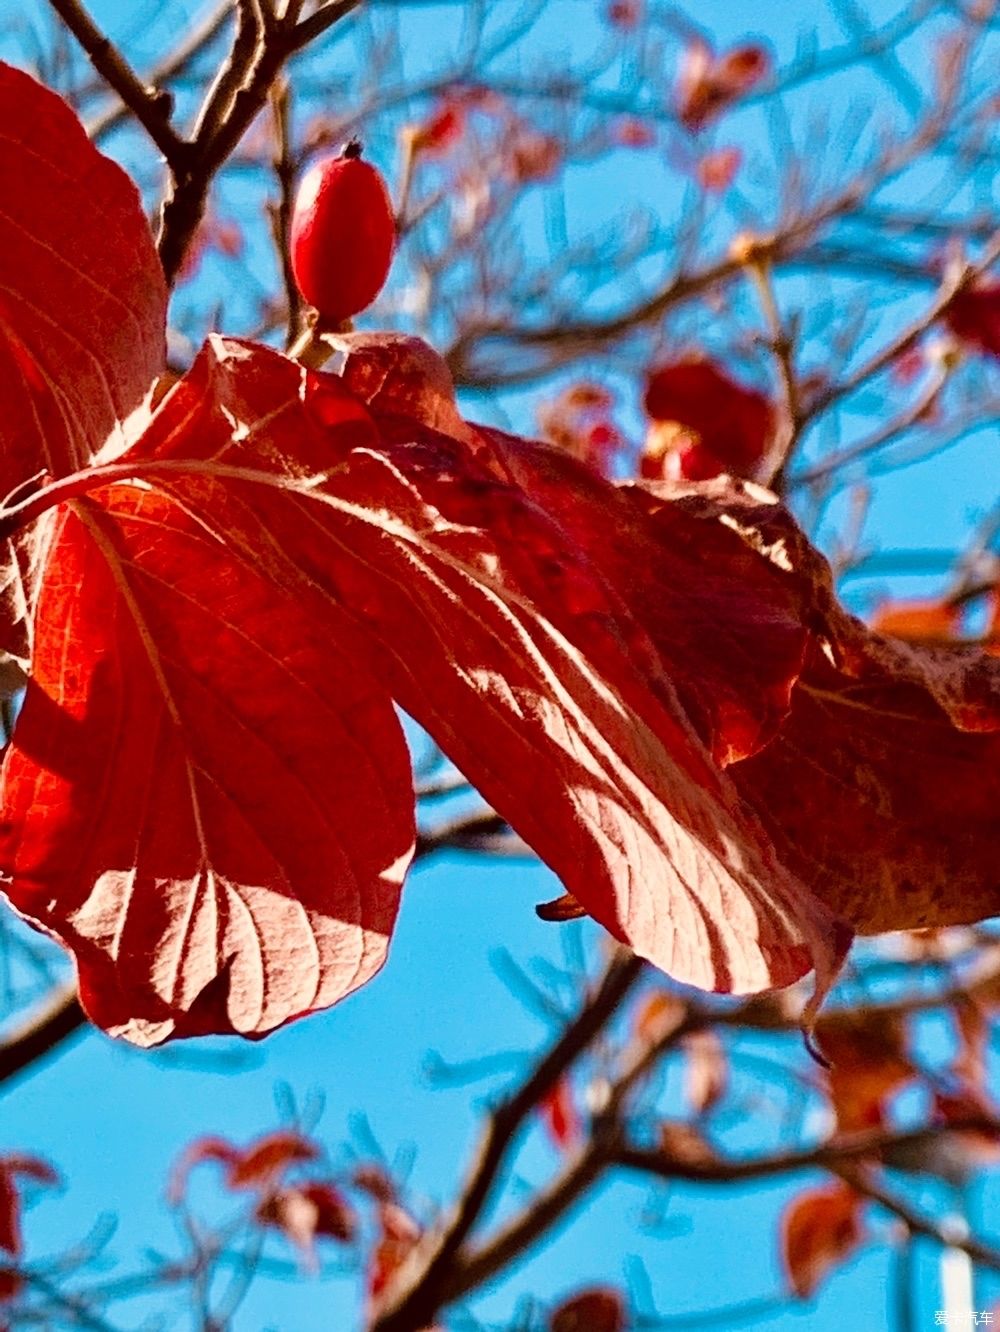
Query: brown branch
x=782 y=350
x=418 y=1295
x=917 y=1222
x=151 y=107
x=554 y=344
x=170 y=66
x=228 y=113
x=320 y=21
x=826 y=1156
x=607 y=1150
x=549 y=1206
x=217 y=103
x=912 y=416
x=954 y=284
x=41 y=1032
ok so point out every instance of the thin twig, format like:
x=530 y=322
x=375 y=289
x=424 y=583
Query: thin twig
x=413 y=1301
x=151 y=106
x=173 y=64
x=41 y=1032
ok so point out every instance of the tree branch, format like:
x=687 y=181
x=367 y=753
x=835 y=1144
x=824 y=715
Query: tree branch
x=917 y=1222
x=151 y=107
x=41 y=1032
x=414 y=1300
x=320 y=21
x=227 y=114
x=170 y=66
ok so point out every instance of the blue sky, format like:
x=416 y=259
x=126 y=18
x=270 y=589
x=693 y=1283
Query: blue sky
x=113 y=1119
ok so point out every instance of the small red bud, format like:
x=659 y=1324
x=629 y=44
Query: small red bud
x=343 y=235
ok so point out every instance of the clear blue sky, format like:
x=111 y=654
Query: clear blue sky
x=113 y=1119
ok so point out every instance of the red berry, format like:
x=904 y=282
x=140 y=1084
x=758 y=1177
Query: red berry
x=343 y=235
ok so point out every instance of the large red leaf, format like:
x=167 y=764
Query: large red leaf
x=882 y=788
x=723 y=624
x=204 y=798
x=496 y=631
x=82 y=307
x=609 y=666
x=851 y=732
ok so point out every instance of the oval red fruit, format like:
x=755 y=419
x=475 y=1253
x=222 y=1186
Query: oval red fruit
x=343 y=235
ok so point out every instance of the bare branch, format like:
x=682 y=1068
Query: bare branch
x=151 y=107
x=191 y=45
x=321 y=21
x=41 y=1032
x=416 y=1297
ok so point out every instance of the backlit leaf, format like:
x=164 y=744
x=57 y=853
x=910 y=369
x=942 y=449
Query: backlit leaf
x=82 y=311
x=204 y=798
x=542 y=666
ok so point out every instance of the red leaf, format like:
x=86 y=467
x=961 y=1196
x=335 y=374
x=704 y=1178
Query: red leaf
x=657 y=1016
x=259 y=1166
x=531 y=156
x=707 y=83
x=742 y=68
x=10 y=1214
x=266 y=1160
x=869 y=1063
x=334 y=1217
x=597 y=1309
x=721 y=624
x=398 y=1235
x=625 y=14
x=579 y=422
x=974 y=317
x=902 y=747
x=420 y=529
x=631 y=132
x=442 y=130
x=622 y=645
x=11 y=1284
x=31 y=1167
x=82 y=310
x=820 y=1229
x=580 y=533
x=706 y=1071
x=11 y=1166
x=560 y=1116
x=305 y=1211
x=734 y=423
x=376 y=1182
x=205 y=798
x=202 y=1149
x=717 y=169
